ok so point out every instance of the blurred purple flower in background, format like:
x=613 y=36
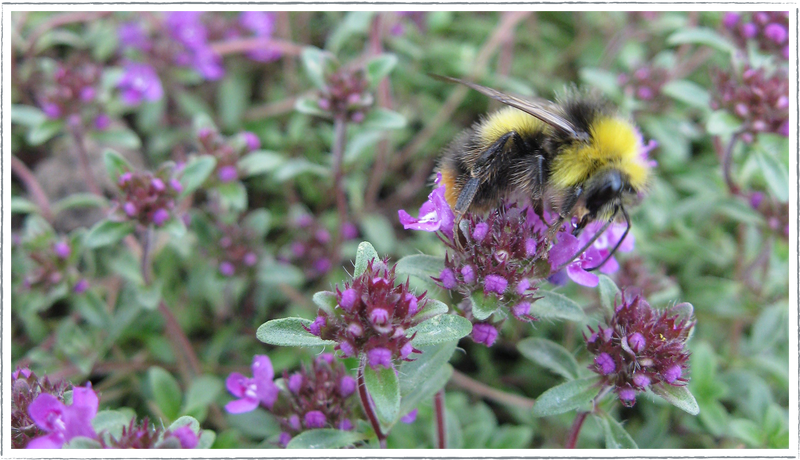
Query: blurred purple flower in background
x=262 y=24
x=139 y=82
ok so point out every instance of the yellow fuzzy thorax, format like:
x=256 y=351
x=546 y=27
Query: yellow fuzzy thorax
x=614 y=143
x=505 y=120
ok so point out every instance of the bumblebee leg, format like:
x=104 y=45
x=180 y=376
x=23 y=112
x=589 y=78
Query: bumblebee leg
x=467 y=195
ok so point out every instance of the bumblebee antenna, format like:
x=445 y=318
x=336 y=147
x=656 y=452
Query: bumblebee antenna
x=627 y=229
x=586 y=246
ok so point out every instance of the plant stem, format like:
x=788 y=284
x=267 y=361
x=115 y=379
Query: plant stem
x=483 y=390
x=366 y=404
x=441 y=424
x=83 y=158
x=32 y=185
x=727 y=159
x=243 y=45
x=575 y=430
x=339 y=140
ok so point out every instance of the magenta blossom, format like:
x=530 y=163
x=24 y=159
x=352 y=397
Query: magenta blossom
x=139 y=82
x=569 y=245
x=61 y=421
x=252 y=391
x=435 y=214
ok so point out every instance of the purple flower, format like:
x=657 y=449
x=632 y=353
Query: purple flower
x=480 y=231
x=251 y=140
x=130 y=209
x=62 y=250
x=295 y=382
x=349 y=299
x=605 y=363
x=347 y=386
x=484 y=333
x=157 y=184
x=468 y=273
x=448 y=279
x=564 y=250
x=131 y=35
x=250 y=259
x=186 y=27
x=377 y=357
x=176 y=185
x=641 y=381
x=316 y=327
x=284 y=439
x=637 y=342
x=227 y=268
x=521 y=309
x=349 y=231
x=776 y=32
x=495 y=283
x=730 y=20
x=227 y=173
x=81 y=286
x=261 y=23
x=410 y=417
x=87 y=93
x=435 y=214
x=63 y=422
x=160 y=216
x=102 y=122
x=139 y=82
x=52 y=110
x=314 y=419
x=186 y=436
x=252 y=391
x=208 y=64
x=672 y=374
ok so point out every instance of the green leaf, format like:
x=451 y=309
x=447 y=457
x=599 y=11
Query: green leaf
x=206 y=440
x=289 y=332
x=379 y=67
x=511 y=437
x=378 y=230
x=556 y=306
x=566 y=397
x=748 y=431
x=608 y=292
x=233 y=96
x=325 y=438
x=27 y=115
x=196 y=172
x=679 y=397
x=107 y=232
x=258 y=221
x=79 y=200
x=723 y=124
x=111 y=421
x=422 y=266
x=115 y=165
x=325 y=300
x=21 y=205
x=381 y=118
x=615 y=434
x=175 y=227
x=310 y=106
x=431 y=309
x=166 y=392
x=384 y=388
x=203 y=391
x=364 y=254
x=315 y=62
x=442 y=328
x=233 y=195
x=185 y=420
x=119 y=137
x=776 y=175
x=43 y=132
x=688 y=92
x=81 y=442
x=426 y=375
x=292 y=168
x=483 y=305
x=605 y=80
x=274 y=273
x=551 y=355
x=191 y=104
x=684 y=310
x=260 y=162
x=355 y=23
x=701 y=36
x=360 y=143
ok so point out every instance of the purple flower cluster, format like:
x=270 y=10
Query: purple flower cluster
x=144 y=435
x=53 y=263
x=261 y=24
x=769 y=30
x=371 y=317
x=346 y=94
x=644 y=83
x=312 y=247
x=188 y=29
x=148 y=198
x=760 y=101
x=237 y=249
x=138 y=83
x=71 y=92
x=318 y=397
x=227 y=151
x=639 y=348
x=26 y=387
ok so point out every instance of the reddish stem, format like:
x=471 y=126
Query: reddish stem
x=243 y=45
x=441 y=424
x=366 y=404
x=575 y=430
x=32 y=185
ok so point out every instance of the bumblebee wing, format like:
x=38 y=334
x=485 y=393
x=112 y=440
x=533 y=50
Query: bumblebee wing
x=541 y=109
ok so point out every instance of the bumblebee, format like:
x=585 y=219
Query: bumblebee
x=578 y=156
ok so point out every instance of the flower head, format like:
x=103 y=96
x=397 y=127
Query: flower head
x=62 y=422
x=371 y=317
x=261 y=24
x=252 y=392
x=145 y=196
x=759 y=99
x=640 y=347
x=139 y=82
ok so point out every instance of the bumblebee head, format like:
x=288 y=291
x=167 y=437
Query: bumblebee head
x=603 y=192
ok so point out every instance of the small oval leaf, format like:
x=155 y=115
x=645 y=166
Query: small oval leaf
x=556 y=306
x=442 y=328
x=483 y=305
x=384 y=388
x=325 y=438
x=107 y=232
x=608 y=292
x=196 y=172
x=566 y=397
x=325 y=300
x=364 y=254
x=679 y=397
x=551 y=355
x=289 y=332
x=422 y=266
